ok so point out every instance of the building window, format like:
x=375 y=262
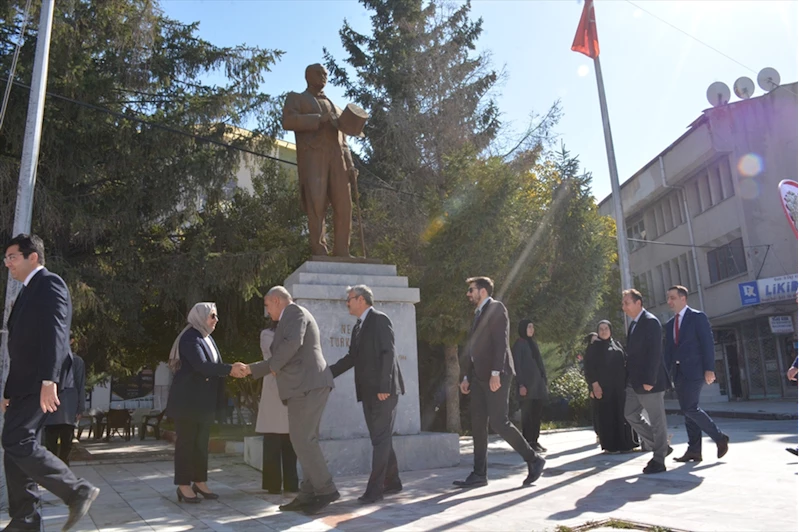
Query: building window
x=726 y=261
x=636 y=232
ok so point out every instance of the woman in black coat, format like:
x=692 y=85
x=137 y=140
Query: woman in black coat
x=196 y=399
x=531 y=377
x=606 y=374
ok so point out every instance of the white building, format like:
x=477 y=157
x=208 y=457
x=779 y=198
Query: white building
x=706 y=214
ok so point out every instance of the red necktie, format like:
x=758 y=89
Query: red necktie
x=676 y=329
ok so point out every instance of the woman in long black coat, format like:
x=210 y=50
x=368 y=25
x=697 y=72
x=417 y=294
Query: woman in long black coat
x=531 y=377
x=606 y=374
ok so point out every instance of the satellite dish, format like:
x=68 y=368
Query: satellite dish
x=718 y=94
x=744 y=88
x=768 y=79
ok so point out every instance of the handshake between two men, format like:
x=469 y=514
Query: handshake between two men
x=240 y=370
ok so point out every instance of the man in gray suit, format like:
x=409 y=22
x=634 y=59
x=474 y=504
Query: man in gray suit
x=378 y=384
x=304 y=382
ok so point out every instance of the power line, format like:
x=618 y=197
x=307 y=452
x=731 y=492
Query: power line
x=688 y=245
x=176 y=131
x=703 y=43
x=14 y=61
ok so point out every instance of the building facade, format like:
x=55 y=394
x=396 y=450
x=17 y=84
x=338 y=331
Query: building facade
x=706 y=214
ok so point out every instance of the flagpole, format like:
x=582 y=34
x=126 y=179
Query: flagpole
x=621 y=229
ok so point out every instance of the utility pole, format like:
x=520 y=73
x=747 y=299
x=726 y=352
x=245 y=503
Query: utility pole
x=27 y=182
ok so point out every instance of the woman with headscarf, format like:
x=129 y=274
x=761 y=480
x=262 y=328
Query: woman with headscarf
x=196 y=399
x=606 y=374
x=531 y=377
x=279 y=467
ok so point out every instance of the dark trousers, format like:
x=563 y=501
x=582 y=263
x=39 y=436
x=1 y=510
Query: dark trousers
x=696 y=419
x=380 y=416
x=492 y=408
x=191 y=451
x=531 y=419
x=28 y=463
x=279 y=464
x=58 y=440
x=615 y=434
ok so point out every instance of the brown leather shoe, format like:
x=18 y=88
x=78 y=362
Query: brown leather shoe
x=723 y=446
x=689 y=457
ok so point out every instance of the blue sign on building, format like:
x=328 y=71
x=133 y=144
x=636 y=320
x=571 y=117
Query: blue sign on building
x=749 y=293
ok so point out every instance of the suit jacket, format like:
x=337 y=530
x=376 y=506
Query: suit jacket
x=73 y=394
x=645 y=355
x=198 y=389
x=695 y=352
x=38 y=335
x=296 y=355
x=373 y=356
x=487 y=346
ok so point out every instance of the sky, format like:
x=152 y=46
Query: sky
x=658 y=59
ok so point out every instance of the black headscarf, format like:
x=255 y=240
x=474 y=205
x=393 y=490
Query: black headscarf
x=610 y=326
x=523 y=332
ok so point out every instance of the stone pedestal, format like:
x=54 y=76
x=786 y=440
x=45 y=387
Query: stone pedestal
x=320 y=287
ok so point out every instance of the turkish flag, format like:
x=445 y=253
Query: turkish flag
x=586 y=41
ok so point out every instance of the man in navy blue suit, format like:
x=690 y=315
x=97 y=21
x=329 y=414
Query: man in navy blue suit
x=690 y=359
x=38 y=346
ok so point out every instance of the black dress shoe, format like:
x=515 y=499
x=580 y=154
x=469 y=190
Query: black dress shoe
x=320 y=502
x=205 y=494
x=537 y=447
x=24 y=525
x=392 y=489
x=472 y=481
x=534 y=470
x=190 y=500
x=369 y=499
x=654 y=467
x=723 y=446
x=296 y=505
x=80 y=506
x=689 y=457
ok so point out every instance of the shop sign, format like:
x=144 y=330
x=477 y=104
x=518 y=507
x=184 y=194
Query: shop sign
x=769 y=290
x=780 y=324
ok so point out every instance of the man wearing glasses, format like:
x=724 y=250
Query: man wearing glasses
x=489 y=370
x=38 y=345
x=378 y=384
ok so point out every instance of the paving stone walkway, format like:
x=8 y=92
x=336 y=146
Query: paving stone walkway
x=753 y=488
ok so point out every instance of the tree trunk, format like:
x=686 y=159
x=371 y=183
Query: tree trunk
x=453 y=371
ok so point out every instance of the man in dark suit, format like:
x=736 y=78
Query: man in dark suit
x=60 y=425
x=489 y=371
x=304 y=382
x=646 y=380
x=378 y=385
x=324 y=162
x=691 y=360
x=38 y=345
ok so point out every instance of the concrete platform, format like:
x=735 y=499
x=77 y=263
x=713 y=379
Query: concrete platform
x=427 y=450
x=753 y=488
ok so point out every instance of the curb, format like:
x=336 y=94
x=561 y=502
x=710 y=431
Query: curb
x=769 y=416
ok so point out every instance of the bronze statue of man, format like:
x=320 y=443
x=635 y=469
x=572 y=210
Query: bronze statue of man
x=324 y=162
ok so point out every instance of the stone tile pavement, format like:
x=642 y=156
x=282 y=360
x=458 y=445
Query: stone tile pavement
x=753 y=488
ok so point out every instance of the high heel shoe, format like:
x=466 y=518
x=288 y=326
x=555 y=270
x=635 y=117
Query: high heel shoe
x=183 y=498
x=206 y=495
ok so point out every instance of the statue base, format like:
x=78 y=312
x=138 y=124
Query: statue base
x=320 y=285
x=350 y=260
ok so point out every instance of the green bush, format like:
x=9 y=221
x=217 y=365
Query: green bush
x=570 y=388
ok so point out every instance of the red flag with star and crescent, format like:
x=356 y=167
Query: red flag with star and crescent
x=586 y=41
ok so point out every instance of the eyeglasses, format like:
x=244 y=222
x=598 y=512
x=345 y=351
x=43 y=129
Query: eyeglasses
x=214 y=317
x=352 y=297
x=12 y=257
